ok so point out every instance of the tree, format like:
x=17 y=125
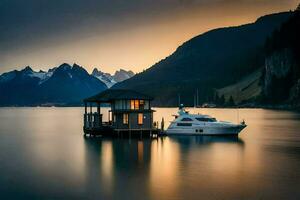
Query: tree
x=216 y=98
x=231 y=101
x=222 y=100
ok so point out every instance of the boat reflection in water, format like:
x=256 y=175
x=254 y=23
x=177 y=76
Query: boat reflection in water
x=153 y=165
x=206 y=140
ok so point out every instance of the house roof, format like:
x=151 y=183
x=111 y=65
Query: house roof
x=117 y=94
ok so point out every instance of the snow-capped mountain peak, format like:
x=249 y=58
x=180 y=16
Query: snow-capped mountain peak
x=65 y=69
x=42 y=75
x=60 y=85
x=26 y=72
x=109 y=79
x=122 y=75
x=104 y=77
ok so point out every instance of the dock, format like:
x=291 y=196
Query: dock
x=124 y=133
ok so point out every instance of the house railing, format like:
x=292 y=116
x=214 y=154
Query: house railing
x=92 y=120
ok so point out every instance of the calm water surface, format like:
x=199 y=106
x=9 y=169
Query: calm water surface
x=43 y=154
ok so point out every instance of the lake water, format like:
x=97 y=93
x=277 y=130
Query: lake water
x=43 y=154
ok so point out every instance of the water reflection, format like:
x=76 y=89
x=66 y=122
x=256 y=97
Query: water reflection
x=119 y=164
x=45 y=156
x=206 y=140
x=179 y=158
x=115 y=165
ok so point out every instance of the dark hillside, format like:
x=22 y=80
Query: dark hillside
x=212 y=60
x=282 y=66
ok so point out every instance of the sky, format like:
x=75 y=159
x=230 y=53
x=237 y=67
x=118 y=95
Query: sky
x=113 y=34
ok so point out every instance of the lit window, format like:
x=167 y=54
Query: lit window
x=132 y=104
x=142 y=104
x=140 y=118
x=136 y=104
x=125 y=118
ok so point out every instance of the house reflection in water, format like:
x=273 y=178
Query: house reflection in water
x=155 y=167
x=116 y=164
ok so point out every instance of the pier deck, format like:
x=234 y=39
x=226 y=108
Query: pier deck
x=111 y=132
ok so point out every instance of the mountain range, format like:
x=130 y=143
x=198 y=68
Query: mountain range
x=62 y=85
x=256 y=63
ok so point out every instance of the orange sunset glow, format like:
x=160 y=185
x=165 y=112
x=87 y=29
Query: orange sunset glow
x=133 y=39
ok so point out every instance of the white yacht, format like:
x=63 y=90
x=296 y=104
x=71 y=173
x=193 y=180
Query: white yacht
x=197 y=124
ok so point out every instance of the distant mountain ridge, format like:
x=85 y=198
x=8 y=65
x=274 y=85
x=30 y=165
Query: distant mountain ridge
x=62 y=85
x=110 y=80
x=207 y=62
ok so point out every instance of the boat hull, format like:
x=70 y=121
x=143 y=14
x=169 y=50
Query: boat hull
x=202 y=130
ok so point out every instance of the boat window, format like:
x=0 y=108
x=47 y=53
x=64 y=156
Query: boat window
x=186 y=119
x=203 y=119
x=184 y=124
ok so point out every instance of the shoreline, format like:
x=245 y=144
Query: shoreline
x=269 y=107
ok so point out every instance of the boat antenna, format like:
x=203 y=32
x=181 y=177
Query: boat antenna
x=197 y=98
x=238 y=115
x=179 y=100
x=236 y=102
x=194 y=101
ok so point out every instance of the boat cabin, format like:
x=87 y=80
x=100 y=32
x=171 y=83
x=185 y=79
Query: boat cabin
x=129 y=111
